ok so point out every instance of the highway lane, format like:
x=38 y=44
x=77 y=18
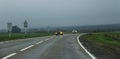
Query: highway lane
x=54 y=47
x=7 y=48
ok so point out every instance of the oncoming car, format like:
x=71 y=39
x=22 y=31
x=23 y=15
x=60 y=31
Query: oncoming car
x=74 y=31
x=59 y=33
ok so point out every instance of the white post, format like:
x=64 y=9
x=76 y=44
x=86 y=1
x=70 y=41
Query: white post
x=9 y=34
x=48 y=30
x=25 y=30
x=9 y=25
x=25 y=26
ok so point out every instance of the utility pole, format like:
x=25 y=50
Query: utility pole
x=25 y=27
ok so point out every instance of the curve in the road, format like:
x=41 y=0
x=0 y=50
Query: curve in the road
x=91 y=55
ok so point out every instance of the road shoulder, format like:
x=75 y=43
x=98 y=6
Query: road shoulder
x=99 y=50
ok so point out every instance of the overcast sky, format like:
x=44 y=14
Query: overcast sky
x=40 y=13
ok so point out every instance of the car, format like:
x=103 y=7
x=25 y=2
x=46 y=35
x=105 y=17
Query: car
x=59 y=33
x=74 y=31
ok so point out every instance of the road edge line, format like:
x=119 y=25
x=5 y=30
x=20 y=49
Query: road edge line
x=91 y=55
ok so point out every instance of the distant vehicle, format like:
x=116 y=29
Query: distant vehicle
x=59 y=33
x=74 y=31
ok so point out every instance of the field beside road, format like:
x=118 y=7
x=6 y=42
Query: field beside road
x=5 y=37
x=104 y=45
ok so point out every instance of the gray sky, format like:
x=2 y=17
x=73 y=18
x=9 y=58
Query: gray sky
x=41 y=13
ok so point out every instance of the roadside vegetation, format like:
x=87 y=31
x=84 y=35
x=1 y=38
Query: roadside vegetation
x=5 y=37
x=104 y=45
x=109 y=38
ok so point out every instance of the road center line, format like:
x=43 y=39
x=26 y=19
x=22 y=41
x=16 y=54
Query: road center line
x=6 y=57
x=46 y=39
x=26 y=48
x=1 y=42
x=39 y=42
x=9 y=56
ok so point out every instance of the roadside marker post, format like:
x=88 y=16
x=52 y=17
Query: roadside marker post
x=25 y=27
x=48 y=30
x=9 y=26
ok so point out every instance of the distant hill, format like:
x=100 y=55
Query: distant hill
x=111 y=27
x=89 y=28
x=92 y=28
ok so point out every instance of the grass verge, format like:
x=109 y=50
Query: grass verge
x=111 y=38
x=5 y=37
x=104 y=45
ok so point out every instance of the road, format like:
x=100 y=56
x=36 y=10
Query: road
x=49 y=47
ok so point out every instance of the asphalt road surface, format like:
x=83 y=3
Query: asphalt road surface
x=50 y=47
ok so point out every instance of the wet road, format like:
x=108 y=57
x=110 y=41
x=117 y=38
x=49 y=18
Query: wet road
x=50 y=47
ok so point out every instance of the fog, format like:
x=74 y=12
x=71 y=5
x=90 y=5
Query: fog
x=42 y=13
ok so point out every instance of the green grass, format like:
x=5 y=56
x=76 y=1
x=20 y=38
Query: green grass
x=109 y=38
x=5 y=37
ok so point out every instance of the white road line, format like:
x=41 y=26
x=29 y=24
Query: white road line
x=42 y=41
x=1 y=42
x=51 y=37
x=39 y=42
x=9 y=56
x=4 y=42
x=26 y=48
x=93 y=57
x=46 y=39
